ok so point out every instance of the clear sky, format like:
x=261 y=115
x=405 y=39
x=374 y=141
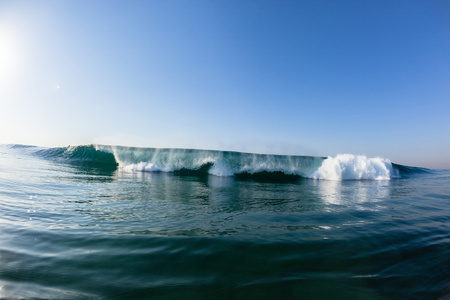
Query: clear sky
x=287 y=77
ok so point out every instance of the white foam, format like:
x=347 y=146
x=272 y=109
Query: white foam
x=145 y=167
x=354 y=167
x=218 y=169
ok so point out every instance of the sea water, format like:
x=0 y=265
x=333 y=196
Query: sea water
x=104 y=222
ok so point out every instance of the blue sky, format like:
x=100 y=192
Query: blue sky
x=288 y=77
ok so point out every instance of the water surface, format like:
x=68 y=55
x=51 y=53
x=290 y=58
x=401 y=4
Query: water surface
x=77 y=231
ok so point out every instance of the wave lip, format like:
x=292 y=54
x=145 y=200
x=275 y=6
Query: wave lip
x=355 y=167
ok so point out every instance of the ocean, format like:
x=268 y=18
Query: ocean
x=112 y=222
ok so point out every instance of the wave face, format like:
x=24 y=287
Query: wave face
x=265 y=167
x=219 y=163
x=86 y=155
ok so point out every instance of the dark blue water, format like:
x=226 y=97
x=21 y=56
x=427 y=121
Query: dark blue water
x=80 y=231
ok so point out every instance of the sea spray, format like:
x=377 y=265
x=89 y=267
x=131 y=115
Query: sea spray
x=222 y=163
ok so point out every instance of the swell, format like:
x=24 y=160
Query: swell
x=84 y=155
x=242 y=166
x=407 y=171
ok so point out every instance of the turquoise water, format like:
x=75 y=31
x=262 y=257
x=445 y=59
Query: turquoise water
x=131 y=223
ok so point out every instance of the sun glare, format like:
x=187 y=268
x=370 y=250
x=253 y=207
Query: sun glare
x=10 y=54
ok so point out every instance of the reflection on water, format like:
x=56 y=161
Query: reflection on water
x=151 y=197
x=353 y=193
x=167 y=204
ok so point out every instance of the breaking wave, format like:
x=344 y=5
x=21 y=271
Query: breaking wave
x=242 y=166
